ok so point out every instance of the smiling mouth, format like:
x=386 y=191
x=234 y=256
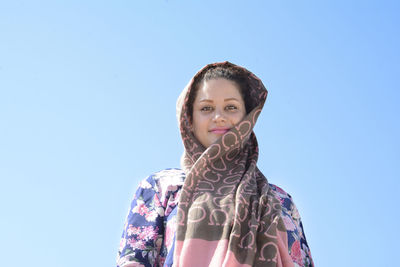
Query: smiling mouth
x=219 y=131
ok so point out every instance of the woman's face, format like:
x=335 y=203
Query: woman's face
x=218 y=107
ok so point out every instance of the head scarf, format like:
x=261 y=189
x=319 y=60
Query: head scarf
x=227 y=215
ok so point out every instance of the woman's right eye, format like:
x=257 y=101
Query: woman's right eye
x=206 y=108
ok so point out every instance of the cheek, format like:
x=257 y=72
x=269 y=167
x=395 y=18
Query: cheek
x=202 y=125
x=199 y=123
x=237 y=118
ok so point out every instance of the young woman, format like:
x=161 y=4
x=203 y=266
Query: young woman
x=219 y=209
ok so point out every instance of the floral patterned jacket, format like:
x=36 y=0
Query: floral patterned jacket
x=149 y=233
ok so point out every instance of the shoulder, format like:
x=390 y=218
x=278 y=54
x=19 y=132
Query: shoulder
x=289 y=211
x=163 y=183
x=297 y=243
x=171 y=175
x=284 y=197
x=167 y=179
x=157 y=180
x=279 y=190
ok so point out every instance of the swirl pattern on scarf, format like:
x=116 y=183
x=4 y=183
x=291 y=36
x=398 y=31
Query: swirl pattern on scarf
x=227 y=216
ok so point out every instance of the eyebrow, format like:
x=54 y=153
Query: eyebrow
x=226 y=99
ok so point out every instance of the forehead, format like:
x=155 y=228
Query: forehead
x=218 y=89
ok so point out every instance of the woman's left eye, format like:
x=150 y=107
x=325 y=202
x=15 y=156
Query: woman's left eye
x=231 y=107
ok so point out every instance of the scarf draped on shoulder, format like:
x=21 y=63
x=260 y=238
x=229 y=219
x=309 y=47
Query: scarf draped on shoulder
x=227 y=214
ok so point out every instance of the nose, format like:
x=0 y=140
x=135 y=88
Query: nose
x=219 y=117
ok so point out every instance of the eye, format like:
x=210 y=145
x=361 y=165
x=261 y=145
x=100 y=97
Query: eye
x=231 y=107
x=206 y=109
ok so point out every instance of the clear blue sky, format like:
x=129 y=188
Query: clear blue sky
x=87 y=110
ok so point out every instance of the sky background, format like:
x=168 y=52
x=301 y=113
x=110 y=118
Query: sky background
x=87 y=110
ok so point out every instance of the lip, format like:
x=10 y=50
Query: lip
x=219 y=130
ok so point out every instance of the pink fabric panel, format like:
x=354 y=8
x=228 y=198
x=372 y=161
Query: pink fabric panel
x=216 y=251
x=283 y=256
x=212 y=253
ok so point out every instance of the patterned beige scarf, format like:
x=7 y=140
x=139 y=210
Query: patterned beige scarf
x=227 y=215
